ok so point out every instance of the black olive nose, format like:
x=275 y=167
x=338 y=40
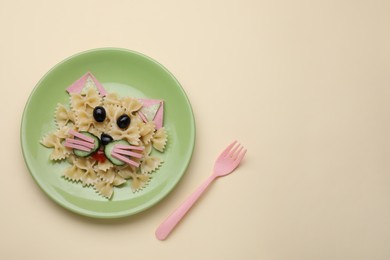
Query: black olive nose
x=106 y=139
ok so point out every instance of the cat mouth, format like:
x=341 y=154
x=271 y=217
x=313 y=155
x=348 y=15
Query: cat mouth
x=99 y=156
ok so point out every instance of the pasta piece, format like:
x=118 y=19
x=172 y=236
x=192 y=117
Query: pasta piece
x=108 y=175
x=71 y=159
x=73 y=173
x=49 y=140
x=63 y=116
x=147 y=150
x=87 y=102
x=131 y=134
x=62 y=133
x=112 y=112
x=84 y=121
x=76 y=102
x=160 y=139
x=59 y=152
x=111 y=99
x=54 y=137
x=104 y=188
x=89 y=177
x=131 y=104
x=150 y=164
x=118 y=180
x=97 y=128
x=139 y=181
x=104 y=166
x=92 y=98
x=85 y=163
x=146 y=131
x=127 y=172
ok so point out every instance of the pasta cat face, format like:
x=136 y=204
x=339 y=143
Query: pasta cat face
x=107 y=140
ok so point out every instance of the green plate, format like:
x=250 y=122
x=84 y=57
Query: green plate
x=129 y=74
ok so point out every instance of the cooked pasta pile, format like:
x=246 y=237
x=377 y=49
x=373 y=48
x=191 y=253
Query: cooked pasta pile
x=103 y=175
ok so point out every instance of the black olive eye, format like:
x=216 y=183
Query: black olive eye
x=99 y=113
x=123 y=121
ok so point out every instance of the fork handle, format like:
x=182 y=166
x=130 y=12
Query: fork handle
x=169 y=224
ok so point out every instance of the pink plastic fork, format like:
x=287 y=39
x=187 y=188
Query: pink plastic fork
x=226 y=162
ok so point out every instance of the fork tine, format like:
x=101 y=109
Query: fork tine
x=227 y=150
x=240 y=156
x=235 y=154
x=232 y=151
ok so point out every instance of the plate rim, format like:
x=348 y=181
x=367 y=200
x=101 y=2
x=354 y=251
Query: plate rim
x=126 y=212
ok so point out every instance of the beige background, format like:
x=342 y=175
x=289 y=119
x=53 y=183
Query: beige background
x=304 y=85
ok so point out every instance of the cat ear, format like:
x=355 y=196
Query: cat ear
x=152 y=110
x=87 y=80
